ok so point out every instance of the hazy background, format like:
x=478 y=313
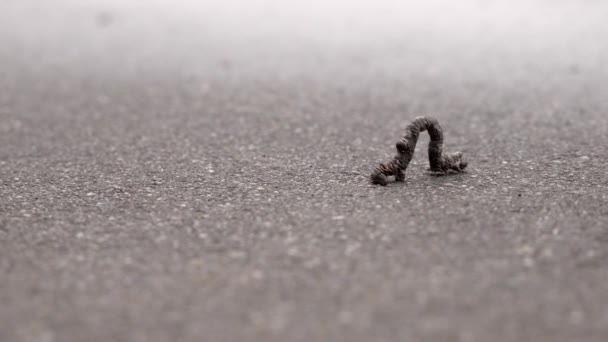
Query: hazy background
x=186 y=37
x=198 y=171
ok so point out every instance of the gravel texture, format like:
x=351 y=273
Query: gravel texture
x=199 y=172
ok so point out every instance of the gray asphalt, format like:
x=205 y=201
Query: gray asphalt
x=199 y=172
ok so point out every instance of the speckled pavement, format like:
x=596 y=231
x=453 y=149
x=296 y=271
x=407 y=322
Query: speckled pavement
x=199 y=172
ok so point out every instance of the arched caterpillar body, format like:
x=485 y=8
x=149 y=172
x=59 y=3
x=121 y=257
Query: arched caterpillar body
x=439 y=162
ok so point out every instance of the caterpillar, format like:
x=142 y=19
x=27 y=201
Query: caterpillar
x=439 y=162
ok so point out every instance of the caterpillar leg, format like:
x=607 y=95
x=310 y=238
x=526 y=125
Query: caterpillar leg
x=455 y=162
x=450 y=162
x=382 y=179
x=400 y=176
x=382 y=171
x=379 y=178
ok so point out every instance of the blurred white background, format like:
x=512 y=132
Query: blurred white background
x=253 y=33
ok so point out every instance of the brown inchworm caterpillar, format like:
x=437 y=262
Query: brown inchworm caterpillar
x=439 y=162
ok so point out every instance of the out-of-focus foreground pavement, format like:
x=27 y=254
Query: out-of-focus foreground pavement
x=197 y=171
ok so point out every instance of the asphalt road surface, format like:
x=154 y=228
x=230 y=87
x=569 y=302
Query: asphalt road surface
x=199 y=171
